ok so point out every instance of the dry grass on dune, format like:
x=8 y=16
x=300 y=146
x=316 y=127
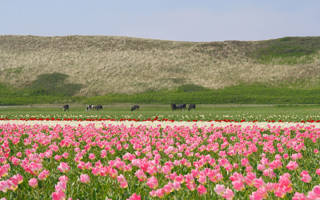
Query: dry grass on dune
x=128 y=65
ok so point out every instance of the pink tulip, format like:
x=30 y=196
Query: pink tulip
x=63 y=178
x=33 y=182
x=191 y=185
x=228 y=194
x=63 y=167
x=292 y=165
x=168 y=188
x=299 y=196
x=157 y=193
x=283 y=186
x=201 y=190
x=202 y=179
x=220 y=189
x=65 y=155
x=92 y=156
x=57 y=157
x=152 y=182
x=305 y=177
x=43 y=175
x=103 y=154
x=17 y=179
x=176 y=185
x=316 y=190
x=134 y=196
x=314 y=194
x=140 y=175
x=296 y=156
x=318 y=171
x=122 y=180
x=58 y=195
x=19 y=154
x=84 y=178
x=258 y=195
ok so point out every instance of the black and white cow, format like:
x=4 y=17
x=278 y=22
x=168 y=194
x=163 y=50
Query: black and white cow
x=65 y=107
x=178 y=107
x=135 y=107
x=94 y=107
x=98 y=107
x=192 y=106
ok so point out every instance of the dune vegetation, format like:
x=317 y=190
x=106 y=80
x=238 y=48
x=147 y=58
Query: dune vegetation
x=108 y=69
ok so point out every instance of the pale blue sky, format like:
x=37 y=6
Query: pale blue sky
x=187 y=20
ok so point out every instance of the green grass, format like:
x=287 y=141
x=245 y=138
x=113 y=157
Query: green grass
x=53 y=84
x=203 y=112
x=240 y=94
x=38 y=93
x=288 y=50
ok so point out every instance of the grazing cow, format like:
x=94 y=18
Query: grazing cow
x=135 y=107
x=94 y=107
x=98 y=107
x=89 y=107
x=178 y=107
x=192 y=106
x=173 y=107
x=66 y=107
x=181 y=106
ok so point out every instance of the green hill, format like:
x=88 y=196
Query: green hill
x=102 y=65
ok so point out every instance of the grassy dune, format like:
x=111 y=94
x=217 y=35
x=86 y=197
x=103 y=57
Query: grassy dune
x=133 y=69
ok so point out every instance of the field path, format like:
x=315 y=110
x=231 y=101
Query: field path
x=163 y=124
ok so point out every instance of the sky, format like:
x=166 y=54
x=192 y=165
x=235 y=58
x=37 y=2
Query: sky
x=182 y=20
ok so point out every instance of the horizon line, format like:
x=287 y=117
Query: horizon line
x=145 y=38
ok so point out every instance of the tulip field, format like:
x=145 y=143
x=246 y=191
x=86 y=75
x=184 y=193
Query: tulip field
x=141 y=162
x=109 y=160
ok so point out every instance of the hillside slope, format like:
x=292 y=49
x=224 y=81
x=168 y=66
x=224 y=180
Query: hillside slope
x=100 y=65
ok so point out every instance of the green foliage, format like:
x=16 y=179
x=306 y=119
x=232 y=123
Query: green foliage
x=54 y=84
x=243 y=94
x=23 y=96
x=35 y=100
x=5 y=90
x=240 y=94
x=288 y=50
